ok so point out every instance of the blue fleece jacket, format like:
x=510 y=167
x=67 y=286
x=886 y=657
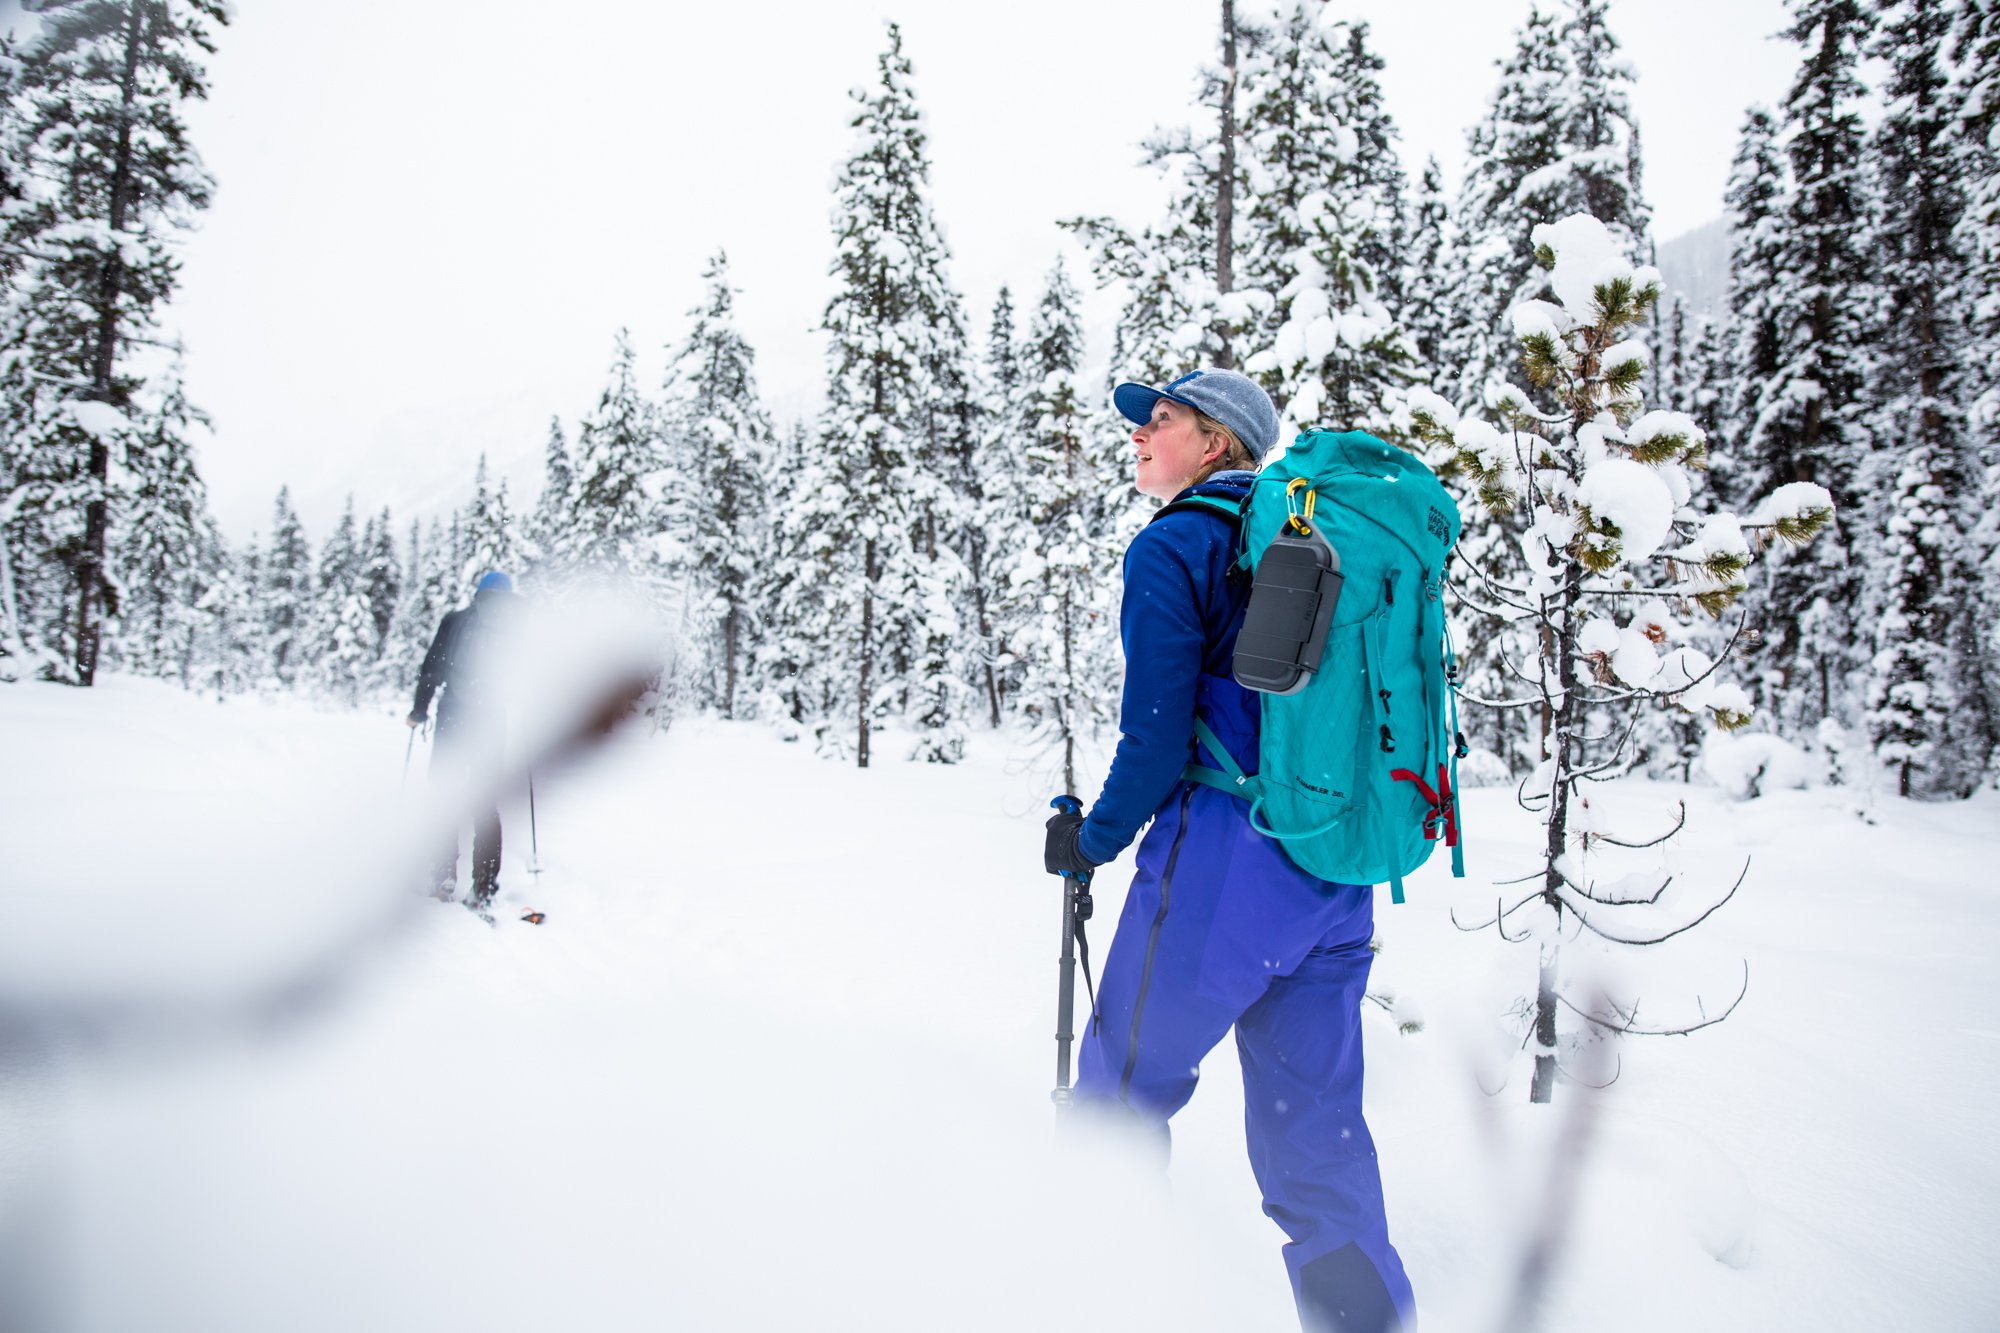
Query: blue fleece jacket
x=1178 y=621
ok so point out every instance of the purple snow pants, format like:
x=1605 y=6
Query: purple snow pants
x=1220 y=929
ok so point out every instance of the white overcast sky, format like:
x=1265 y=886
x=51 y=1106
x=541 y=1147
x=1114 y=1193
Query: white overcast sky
x=433 y=216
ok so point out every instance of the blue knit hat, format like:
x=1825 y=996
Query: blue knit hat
x=1237 y=401
x=496 y=580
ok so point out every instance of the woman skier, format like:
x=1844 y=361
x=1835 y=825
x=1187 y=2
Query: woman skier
x=1219 y=928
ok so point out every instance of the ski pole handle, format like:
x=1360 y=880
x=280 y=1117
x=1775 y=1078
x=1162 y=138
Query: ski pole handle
x=1069 y=805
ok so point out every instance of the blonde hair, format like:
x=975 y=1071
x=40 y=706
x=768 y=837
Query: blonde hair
x=1236 y=458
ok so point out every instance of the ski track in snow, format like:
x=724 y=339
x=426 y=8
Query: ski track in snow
x=780 y=1056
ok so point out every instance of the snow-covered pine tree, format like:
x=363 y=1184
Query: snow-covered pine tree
x=1807 y=424
x=868 y=513
x=430 y=579
x=1754 y=204
x=553 y=510
x=790 y=666
x=719 y=446
x=1057 y=579
x=1703 y=386
x=1558 y=138
x=1974 y=146
x=1428 y=306
x=286 y=595
x=161 y=552
x=491 y=539
x=13 y=152
x=998 y=528
x=1926 y=710
x=1600 y=134
x=1320 y=154
x=1509 y=188
x=109 y=180
x=342 y=654
x=34 y=580
x=339 y=566
x=1558 y=128
x=235 y=657
x=1178 y=271
x=24 y=648
x=45 y=450
x=952 y=426
x=614 y=511
x=1605 y=491
x=1670 y=370
x=382 y=591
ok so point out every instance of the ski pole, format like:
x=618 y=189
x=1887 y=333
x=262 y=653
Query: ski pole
x=534 y=838
x=1076 y=911
x=408 y=746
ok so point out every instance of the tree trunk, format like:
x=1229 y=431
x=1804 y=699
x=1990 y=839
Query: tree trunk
x=90 y=568
x=864 y=701
x=1564 y=718
x=1558 y=743
x=1069 y=692
x=1225 y=183
x=976 y=562
x=729 y=628
x=1067 y=712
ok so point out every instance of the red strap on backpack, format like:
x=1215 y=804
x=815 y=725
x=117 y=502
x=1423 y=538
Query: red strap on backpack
x=1443 y=816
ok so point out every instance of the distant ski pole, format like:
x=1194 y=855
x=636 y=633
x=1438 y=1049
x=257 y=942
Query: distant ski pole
x=534 y=837
x=1076 y=911
x=408 y=746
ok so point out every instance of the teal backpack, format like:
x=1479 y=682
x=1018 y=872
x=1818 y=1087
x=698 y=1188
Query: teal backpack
x=1358 y=766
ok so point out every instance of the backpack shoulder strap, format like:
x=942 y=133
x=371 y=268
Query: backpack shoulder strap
x=1218 y=506
x=1221 y=506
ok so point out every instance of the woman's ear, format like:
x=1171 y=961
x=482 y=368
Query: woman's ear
x=1218 y=445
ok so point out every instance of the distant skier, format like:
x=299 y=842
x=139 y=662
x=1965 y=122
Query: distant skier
x=1251 y=941
x=463 y=661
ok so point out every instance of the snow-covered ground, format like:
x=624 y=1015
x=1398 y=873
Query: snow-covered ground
x=780 y=1057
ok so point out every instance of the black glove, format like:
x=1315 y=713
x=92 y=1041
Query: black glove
x=1060 y=854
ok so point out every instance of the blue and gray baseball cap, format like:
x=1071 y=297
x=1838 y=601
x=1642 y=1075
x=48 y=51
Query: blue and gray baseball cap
x=1237 y=401
x=497 y=579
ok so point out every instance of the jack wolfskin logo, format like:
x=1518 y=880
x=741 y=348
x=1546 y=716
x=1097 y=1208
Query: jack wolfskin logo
x=1439 y=528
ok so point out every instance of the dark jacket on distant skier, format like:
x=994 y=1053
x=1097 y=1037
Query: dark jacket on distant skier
x=462 y=663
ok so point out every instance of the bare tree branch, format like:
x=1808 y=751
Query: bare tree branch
x=1525 y=801
x=1647 y=901
x=1630 y=727
x=1500 y=914
x=1504 y=593
x=1679 y=824
x=1499 y=703
x=1628 y=1027
x=1501 y=926
x=1658 y=939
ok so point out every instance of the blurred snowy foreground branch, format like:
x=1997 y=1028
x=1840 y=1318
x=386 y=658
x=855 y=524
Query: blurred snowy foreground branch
x=226 y=906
